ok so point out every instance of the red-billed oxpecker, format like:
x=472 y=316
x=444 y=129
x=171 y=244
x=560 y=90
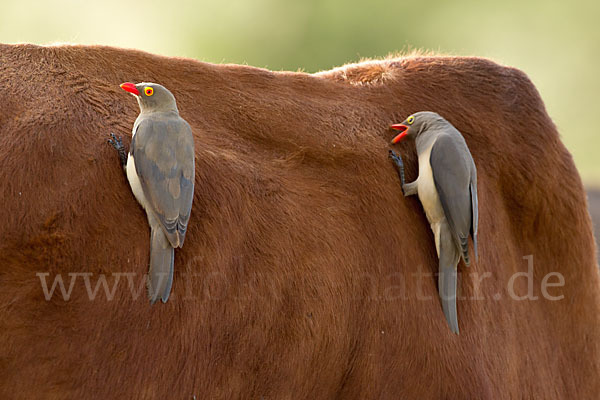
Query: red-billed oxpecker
x=447 y=189
x=160 y=171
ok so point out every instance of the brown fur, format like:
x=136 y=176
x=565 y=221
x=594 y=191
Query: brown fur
x=594 y=206
x=301 y=243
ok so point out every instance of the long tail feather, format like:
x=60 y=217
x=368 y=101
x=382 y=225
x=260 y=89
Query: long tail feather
x=160 y=276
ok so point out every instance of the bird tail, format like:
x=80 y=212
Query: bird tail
x=162 y=257
x=447 y=291
x=449 y=256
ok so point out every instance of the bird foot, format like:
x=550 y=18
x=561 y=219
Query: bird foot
x=117 y=143
x=397 y=158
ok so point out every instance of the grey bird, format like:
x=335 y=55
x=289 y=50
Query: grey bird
x=160 y=170
x=447 y=189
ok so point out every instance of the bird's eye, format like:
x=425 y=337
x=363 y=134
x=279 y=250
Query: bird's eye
x=149 y=91
x=410 y=120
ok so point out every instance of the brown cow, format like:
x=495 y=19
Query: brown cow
x=305 y=273
x=594 y=206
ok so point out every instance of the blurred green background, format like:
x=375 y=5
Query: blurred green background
x=557 y=43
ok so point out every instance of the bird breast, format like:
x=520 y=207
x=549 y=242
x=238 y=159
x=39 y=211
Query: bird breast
x=134 y=181
x=427 y=191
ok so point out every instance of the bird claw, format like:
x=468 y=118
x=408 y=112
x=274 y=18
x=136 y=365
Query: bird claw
x=397 y=158
x=115 y=141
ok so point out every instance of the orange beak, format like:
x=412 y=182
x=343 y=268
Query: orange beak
x=403 y=132
x=130 y=87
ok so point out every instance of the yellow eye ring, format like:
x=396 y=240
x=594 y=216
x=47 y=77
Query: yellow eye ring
x=410 y=120
x=148 y=91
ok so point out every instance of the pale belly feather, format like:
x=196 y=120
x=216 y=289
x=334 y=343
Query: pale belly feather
x=134 y=181
x=429 y=198
x=132 y=176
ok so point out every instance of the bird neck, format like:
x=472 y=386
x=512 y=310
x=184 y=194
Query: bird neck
x=425 y=140
x=161 y=110
x=166 y=107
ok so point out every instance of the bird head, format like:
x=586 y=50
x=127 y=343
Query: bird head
x=151 y=96
x=415 y=124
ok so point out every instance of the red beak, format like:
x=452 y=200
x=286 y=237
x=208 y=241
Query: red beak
x=403 y=132
x=130 y=87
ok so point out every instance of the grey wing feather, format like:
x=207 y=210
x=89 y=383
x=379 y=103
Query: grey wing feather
x=451 y=163
x=475 y=208
x=163 y=151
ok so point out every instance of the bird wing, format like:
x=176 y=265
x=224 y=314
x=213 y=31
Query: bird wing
x=451 y=165
x=163 y=150
x=475 y=208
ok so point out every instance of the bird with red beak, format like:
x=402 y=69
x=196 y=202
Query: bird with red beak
x=160 y=169
x=447 y=189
